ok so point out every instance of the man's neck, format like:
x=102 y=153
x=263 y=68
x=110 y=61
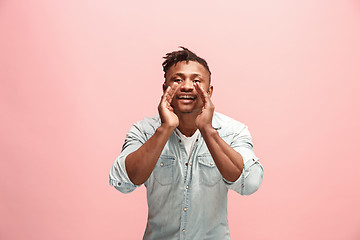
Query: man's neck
x=187 y=124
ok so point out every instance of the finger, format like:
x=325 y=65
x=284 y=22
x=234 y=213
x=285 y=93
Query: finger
x=168 y=89
x=165 y=95
x=172 y=92
x=203 y=94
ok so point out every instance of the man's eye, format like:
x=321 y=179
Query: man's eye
x=196 y=80
x=177 y=80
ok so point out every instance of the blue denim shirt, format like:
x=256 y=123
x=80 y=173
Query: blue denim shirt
x=187 y=197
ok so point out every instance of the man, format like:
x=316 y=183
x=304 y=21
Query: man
x=187 y=156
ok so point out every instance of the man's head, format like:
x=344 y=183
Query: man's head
x=186 y=68
x=183 y=55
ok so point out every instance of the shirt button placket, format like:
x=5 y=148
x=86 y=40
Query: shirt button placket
x=188 y=169
x=186 y=202
x=184 y=214
x=185 y=208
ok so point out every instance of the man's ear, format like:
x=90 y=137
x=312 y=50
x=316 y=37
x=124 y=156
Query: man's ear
x=211 y=89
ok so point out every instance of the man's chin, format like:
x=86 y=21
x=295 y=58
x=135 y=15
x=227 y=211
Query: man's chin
x=188 y=111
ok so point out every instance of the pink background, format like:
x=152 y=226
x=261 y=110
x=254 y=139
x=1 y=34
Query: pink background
x=76 y=74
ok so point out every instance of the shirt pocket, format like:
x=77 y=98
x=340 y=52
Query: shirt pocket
x=209 y=173
x=164 y=169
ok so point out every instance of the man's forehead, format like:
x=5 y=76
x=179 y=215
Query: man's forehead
x=188 y=68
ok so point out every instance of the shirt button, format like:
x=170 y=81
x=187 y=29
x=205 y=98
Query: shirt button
x=197 y=139
x=186 y=164
x=119 y=183
x=162 y=164
x=185 y=209
x=179 y=140
x=211 y=164
x=187 y=186
x=190 y=163
x=183 y=230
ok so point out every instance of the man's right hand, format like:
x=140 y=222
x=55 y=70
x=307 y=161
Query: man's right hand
x=140 y=164
x=166 y=112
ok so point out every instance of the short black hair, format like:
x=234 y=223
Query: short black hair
x=182 y=55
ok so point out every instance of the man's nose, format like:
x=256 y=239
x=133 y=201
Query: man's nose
x=187 y=86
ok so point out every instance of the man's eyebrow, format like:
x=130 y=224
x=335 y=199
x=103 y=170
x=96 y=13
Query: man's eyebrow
x=192 y=75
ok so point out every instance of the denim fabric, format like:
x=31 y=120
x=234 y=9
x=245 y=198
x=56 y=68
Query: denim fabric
x=187 y=198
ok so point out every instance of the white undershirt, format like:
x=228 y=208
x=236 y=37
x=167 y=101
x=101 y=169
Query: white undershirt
x=188 y=141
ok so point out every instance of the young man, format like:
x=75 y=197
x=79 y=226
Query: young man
x=187 y=156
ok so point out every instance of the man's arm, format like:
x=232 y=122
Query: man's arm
x=229 y=162
x=250 y=177
x=244 y=178
x=140 y=164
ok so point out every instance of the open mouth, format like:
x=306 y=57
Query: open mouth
x=186 y=97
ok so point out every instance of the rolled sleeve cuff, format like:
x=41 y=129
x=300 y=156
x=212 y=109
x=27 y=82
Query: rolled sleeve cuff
x=250 y=178
x=118 y=177
x=122 y=186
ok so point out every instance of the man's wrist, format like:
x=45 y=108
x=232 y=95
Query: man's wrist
x=166 y=128
x=208 y=130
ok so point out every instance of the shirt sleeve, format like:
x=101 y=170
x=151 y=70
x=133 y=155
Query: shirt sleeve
x=252 y=174
x=135 y=138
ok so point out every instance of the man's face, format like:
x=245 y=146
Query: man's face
x=186 y=98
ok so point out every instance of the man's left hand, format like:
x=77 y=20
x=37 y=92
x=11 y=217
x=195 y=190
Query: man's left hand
x=204 y=119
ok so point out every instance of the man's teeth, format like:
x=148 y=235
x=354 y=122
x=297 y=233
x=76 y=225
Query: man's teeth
x=186 y=97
